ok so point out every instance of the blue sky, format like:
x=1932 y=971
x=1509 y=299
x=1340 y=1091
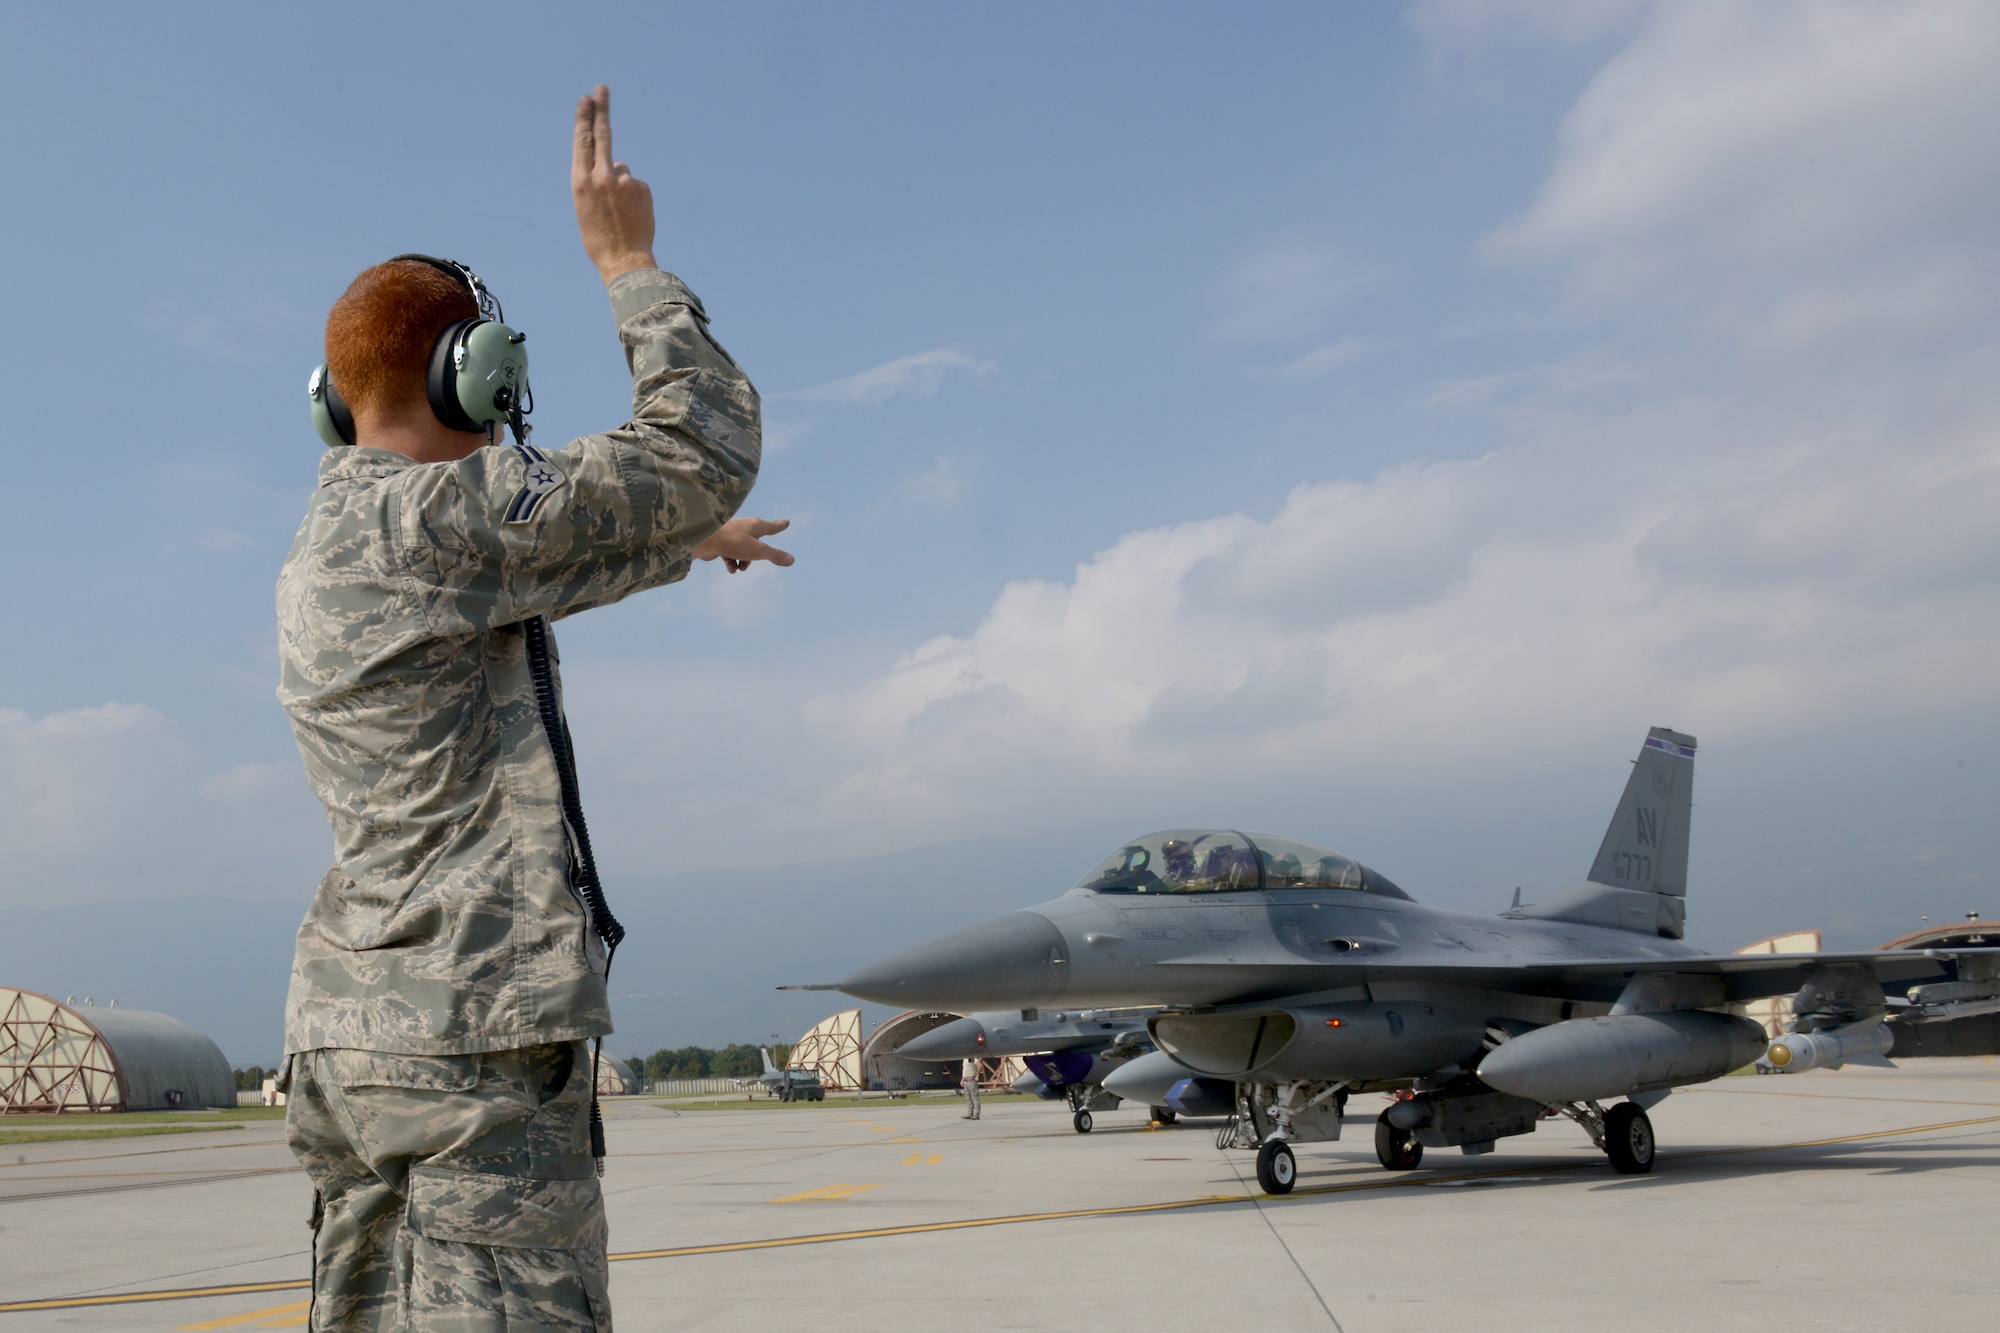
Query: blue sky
x=1360 y=421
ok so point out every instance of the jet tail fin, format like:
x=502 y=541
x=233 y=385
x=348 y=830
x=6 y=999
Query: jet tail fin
x=1639 y=880
x=1646 y=846
x=769 y=1068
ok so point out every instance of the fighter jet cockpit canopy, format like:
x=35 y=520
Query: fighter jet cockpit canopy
x=1226 y=861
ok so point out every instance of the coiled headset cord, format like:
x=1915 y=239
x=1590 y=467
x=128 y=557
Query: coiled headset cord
x=584 y=882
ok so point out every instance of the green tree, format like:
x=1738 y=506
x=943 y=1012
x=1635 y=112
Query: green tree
x=737 y=1061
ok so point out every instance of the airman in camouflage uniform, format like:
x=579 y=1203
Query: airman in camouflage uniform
x=446 y=977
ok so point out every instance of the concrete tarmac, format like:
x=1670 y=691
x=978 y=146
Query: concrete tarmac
x=1861 y=1199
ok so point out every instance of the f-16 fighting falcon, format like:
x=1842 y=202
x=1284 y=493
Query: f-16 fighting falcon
x=1068 y=1052
x=1293 y=977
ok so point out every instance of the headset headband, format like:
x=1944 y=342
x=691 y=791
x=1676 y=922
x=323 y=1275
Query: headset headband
x=489 y=305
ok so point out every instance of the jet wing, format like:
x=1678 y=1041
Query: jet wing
x=1756 y=976
x=1745 y=976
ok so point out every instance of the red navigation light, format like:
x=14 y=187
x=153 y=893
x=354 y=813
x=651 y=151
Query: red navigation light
x=1333 y=1022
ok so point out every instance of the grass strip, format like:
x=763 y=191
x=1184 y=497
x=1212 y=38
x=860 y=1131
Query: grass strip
x=14 y=1136
x=222 y=1115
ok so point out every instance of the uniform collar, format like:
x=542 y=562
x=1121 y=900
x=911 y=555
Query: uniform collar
x=352 y=463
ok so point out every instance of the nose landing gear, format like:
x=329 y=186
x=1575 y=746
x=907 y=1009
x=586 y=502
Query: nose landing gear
x=1277 y=1169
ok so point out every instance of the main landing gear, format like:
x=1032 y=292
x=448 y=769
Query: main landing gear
x=1277 y=1169
x=1628 y=1139
x=1625 y=1133
x=1395 y=1148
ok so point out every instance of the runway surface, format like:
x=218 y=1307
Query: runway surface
x=1858 y=1199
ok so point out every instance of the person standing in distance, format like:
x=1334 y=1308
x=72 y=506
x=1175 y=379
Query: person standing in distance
x=971 y=1082
x=447 y=976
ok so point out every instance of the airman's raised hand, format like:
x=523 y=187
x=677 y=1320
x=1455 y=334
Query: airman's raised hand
x=614 y=208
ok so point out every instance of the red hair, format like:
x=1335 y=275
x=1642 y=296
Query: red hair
x=380 y=332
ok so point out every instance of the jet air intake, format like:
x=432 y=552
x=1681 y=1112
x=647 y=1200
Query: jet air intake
x=1584 y=1059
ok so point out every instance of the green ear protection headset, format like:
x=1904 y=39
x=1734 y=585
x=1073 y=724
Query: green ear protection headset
x=478 y=373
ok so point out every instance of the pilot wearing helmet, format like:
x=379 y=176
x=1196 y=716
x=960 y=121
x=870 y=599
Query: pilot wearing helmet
x=453 y=963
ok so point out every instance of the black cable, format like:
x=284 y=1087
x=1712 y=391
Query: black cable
x=584 y=882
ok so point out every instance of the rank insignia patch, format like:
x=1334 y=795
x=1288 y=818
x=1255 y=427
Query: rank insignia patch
x=542 y=476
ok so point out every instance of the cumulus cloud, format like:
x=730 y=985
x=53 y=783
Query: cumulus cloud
x=1322 y=361
x=939 y=486
x=1772 y=145
x=1773 y=520
x=918 y=373
x=1282 y=285
x=1453 y=613
x=1462 y=24
x=108 y=802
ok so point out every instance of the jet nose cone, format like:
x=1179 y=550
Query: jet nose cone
x=960 y=1039
x=1011 y=961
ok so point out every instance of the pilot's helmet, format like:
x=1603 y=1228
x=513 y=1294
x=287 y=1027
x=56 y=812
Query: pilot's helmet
x=1178 y=855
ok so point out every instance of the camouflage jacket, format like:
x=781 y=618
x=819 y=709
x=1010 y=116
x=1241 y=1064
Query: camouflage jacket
x=448 y=924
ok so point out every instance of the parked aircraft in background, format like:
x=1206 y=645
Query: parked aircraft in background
x=1293 y=977
x=1068 y=1052
x=787 y=1085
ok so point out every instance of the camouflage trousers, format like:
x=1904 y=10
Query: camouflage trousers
x=455 y=1192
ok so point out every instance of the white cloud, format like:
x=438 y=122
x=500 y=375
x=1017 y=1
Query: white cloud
x=1459 y=24
x=939 y=486
x=246 y=781
x=106 y=803
x=918 y=373
x=1759 y=529
x=1322 y=360
x=211 y=541
x=1536 y=597
x=1283 y=285
x=1757 y=144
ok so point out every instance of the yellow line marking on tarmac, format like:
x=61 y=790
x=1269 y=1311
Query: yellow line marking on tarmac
x=918 y=1159
x=828 y=1193
x=1804 y=1095
x=964 y=1224
x=139 y=1297
x=275 y=1314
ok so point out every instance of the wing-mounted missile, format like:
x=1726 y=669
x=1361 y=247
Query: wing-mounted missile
x=1030 y=1084
x=1586 y=1059
x=1062 y=1069
x=1198 y=1096
x=1796 y=1052
x=1976 y=992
